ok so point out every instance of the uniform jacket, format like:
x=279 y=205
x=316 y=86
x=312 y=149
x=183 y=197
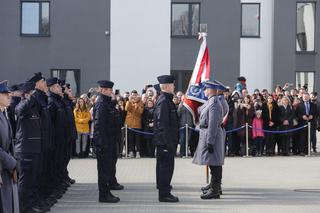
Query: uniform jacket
x=134 y=114
x=28 y=135
x=211 y=116
x=166 y=125
x=82 y=119
x=41 y=100
x=11 y=114
x=9 y=192
x=71 y=126
x=58 y=118
x=104 y=114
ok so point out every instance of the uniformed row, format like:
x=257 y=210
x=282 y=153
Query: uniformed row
x=43 y=129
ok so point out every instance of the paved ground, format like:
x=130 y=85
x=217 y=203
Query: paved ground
x=276 y=184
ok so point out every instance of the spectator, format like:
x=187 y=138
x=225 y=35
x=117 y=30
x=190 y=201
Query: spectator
x=295 y=123
x=147 y=121
x=176 y=101
x=286 y=123
x=306 y=112
x=315 y=123
x=185 y=117
x=82 y=117
x=134 y=108
x=270 y=115
x=245 y=114
x=258 y=133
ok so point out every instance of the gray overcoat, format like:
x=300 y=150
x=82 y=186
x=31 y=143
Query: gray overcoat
x=9 y=192
x=211 y=116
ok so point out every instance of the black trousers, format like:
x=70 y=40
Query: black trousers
x=270 y=143
x=286 y=143
x=303 y=143
x=113 y=171
x=134 y=142
x=216 y=175
x=29 y=168
x=105 y=166
x=164 y=169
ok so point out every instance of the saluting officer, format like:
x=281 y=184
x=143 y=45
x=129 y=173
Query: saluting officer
x=166 y=131
x=58 y=118
x=28 y=150
x=105 y=139
x=210 y=150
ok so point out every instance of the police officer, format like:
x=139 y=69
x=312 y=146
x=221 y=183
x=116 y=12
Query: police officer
x=41 y=100
x=58 y=119
x=105 y=139
x=71 y=128
x=28 y=150
x=166 y=137
x=225 y=108
x=210 y=150
x=16 y=94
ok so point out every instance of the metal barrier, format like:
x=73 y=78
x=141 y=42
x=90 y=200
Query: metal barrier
x=246 y=126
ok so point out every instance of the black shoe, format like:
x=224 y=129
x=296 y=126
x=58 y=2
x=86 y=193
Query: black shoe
x=109 y=198
x=212 y=193
x=168 y=199
x=116 y=186
x=206 y=188
x=38 y=209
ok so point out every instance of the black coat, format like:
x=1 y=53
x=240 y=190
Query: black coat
x=147 y=119
x=46 y=124
x=275 y=118
x=166 y=125
x=286 y=114
x=104 y=114
x=301 y=111
x=71 y=125
x=58 y=119
x=28 y=134
x=11 y=114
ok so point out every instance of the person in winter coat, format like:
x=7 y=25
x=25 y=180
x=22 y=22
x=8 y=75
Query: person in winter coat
x=257 y=133
x=148 y=123
x=286 y=123
x=210 y=150
x=82 y=117
x=8 y=189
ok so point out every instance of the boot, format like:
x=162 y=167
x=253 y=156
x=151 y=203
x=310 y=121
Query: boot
x=206 y=188
x=169 y=198
x=212 y=193
x=108 y=198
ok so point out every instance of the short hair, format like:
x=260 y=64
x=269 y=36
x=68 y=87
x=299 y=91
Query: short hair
x=134 y=91
x=314 y=93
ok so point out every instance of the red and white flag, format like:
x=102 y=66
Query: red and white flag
x=195 y=96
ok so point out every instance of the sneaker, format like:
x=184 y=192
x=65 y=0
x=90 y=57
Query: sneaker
x=138 y=155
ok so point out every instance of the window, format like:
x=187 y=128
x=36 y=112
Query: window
x=35 y=18
x=305 y=35
x=250 y=20
x=305 y=79
x=185 y=19
x=71 y=76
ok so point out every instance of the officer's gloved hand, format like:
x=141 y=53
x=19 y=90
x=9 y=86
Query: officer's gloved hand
x=210 y=148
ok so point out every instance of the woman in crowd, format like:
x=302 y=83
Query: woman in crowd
x=121 y=112
x=295 y=123
x=82 y=117
x=147 y=122
x=270 y=114
x=286 y=119
x=245 y=114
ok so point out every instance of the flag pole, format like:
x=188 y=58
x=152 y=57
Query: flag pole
x=207 y=173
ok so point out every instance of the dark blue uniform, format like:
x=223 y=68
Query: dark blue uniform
x=105 y=142
x=166 y=130
x=59 y=123
x=28 y=152
x=46 y=186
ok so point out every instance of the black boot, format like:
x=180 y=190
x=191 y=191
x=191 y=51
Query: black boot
x=116 y=186
x=168 y=198
x=206 y=188
x=212 y=193
x=107 y=197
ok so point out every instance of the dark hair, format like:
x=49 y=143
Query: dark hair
x=314 y=93
x=134 y=91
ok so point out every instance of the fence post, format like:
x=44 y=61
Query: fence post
x=187 y=137
x=309 y=139
x=126 y=139
x=247 y=140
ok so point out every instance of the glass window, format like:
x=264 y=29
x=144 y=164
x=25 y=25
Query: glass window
x=305 y=35
x=250 y=20
x=35 y=18
x=185 y=19
x=70 y=76
x=305 y=79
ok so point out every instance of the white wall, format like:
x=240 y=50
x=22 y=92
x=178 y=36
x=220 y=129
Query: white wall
x=140 y=42
x=256 y=53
